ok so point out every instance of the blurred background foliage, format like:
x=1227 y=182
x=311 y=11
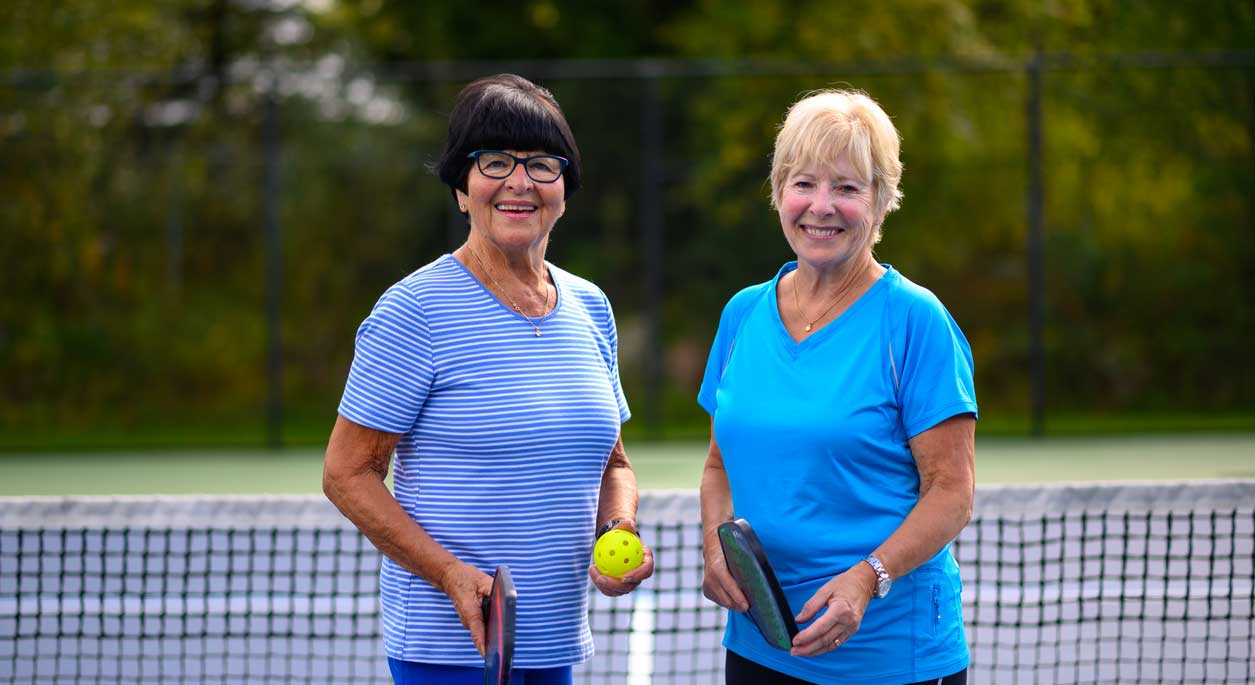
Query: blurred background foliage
x=134 y=142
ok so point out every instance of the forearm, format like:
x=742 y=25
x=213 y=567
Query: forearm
x=936 y=519
x=716 y=507
x=618 y=497
x=715 y=493
x=366 y=501
x=946 y=457
x=356 y=465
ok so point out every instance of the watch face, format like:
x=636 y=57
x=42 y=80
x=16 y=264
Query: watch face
x=882 y=586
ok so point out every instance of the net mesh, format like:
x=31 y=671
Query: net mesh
x=1076 y=584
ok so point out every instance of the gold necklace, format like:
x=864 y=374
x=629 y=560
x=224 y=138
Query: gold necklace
x=802 y=314
x=535 y=324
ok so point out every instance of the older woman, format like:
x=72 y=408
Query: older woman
x=843 y=417
x=492 y=374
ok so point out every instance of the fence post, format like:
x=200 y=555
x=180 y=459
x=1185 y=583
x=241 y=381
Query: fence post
x=271 y=147
x=1033 y=247
x=652 y=241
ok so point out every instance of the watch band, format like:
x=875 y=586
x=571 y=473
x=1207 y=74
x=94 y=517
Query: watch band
x=611 y=524
x=883 y=581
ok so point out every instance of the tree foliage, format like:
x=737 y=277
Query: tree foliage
x=134 y=148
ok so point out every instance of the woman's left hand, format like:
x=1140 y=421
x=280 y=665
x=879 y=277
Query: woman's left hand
x=845 y=597
x=614 y=587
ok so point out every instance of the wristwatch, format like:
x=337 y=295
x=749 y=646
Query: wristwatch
x=883 y=581
x=611 y=524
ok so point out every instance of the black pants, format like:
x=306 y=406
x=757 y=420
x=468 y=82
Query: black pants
x=741 y=671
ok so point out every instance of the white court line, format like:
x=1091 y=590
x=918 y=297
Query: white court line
x=641 y=639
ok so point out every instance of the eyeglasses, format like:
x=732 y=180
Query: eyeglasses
x=539 y=168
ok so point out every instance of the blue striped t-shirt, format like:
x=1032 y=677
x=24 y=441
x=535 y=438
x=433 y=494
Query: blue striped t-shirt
x=505 y=436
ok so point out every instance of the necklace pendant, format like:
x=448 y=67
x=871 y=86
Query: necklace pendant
x=808 y=328
x=537 y=332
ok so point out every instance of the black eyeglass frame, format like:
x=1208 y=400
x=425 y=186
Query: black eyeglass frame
x=563 y=163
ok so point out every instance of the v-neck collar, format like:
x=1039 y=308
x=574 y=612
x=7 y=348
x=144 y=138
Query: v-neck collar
x=827 y=330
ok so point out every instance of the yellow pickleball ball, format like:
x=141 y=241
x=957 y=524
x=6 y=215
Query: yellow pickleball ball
x=618 y=552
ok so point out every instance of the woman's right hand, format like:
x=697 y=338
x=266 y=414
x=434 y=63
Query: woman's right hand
x=467 y=587
x=717 y=582
x=716 y=500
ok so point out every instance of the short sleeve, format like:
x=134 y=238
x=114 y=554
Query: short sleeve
x=937 y=370
x=721 y=349
x=392 y=367
x=611 y=356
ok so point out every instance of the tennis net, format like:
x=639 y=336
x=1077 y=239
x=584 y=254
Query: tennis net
x=1132 y=583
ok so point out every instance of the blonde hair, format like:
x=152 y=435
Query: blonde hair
x=826 y=124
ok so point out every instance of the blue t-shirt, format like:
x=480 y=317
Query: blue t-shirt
x=505 y=436
x=814 y=440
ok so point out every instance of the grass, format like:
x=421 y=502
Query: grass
x=309 y=427
x=659 y=465
x=215 y=431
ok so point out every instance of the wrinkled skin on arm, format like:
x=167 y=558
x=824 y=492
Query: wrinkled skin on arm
x=354 y=469
x=618 y=499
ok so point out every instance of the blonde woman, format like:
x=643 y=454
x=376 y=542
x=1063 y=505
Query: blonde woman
x=843 y=416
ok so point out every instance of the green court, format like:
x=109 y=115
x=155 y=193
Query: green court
x=659 y=465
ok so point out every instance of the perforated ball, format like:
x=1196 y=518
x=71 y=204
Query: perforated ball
x=618 y=552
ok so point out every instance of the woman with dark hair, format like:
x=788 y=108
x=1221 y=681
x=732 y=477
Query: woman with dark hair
x=492 y=375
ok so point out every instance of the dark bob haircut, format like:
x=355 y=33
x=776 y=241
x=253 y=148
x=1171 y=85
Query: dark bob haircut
x=505 y=112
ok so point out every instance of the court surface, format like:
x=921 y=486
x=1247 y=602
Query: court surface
x=659 y=465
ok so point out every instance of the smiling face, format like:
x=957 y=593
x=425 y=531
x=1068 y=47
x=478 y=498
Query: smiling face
x=835 y=171
x=828 y=214
x=515 y=212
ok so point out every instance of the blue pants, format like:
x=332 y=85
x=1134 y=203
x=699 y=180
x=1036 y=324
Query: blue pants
x=415 y=673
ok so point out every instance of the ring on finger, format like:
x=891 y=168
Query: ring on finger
x=836 y=643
